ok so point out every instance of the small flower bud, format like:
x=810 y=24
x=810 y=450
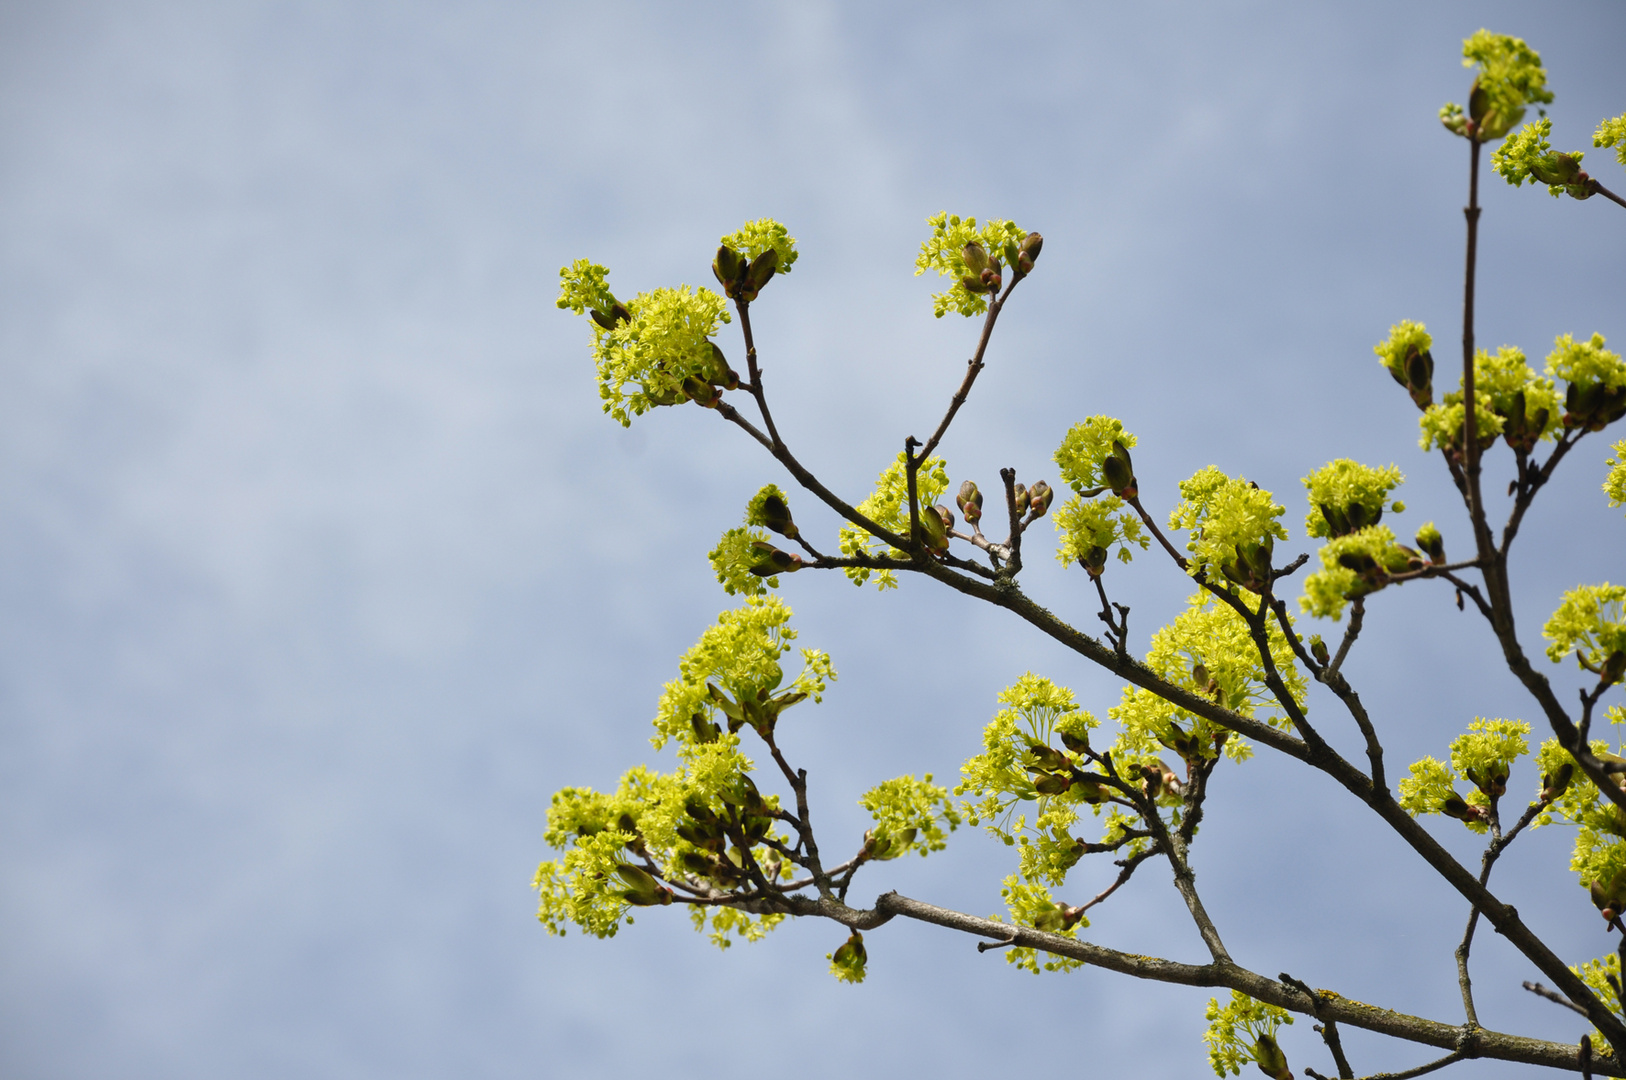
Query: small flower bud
x=969 y=500
x=1040 y=496
x=1094 y=561
x=1318 y=649
x=1031 y=245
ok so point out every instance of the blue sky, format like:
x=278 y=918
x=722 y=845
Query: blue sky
x=320 y=569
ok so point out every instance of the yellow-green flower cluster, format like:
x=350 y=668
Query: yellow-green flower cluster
x=1488 y=750
x=1529 y=156
x=764 y=234
x=1515 y=157
x=1208 y=650
x=744 y=556
x=1090 y=528
x=1510 y=77
x=944 y=252
x=597 y=880
x=1085 y=446
x=1403 y=337
x=765 y=507
x=1429 y=786
x=669 y=823
x=1032 y=905
x=1583 y=362
x=888 y=507
x=740 y=653
x=1600 y=839
x=1352 y=566
x=1614 y=485
x=1242 y=1032
x=909 y=816
x=1443 y=422
x=1337 y=488
x=1035 y=711
x=1509 y=380
x=733 y=558
x=645 y=348
x=848 y=962
x=1227 y=517
x=1483 y=757
x=1596 y=974
x=1612 y=132
x=1590 y=623
x=1511 y=400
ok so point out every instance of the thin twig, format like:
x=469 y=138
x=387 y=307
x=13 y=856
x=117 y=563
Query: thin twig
x=1599 y=189
x=1449 y=1059
x=973 y=366
x=1552 y=995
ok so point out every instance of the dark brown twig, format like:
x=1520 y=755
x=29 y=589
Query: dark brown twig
x=1552 y=995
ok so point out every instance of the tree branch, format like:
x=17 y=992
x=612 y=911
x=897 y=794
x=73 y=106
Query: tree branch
x=1334 y=1007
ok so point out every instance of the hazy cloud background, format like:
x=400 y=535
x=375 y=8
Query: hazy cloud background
x=320 y=569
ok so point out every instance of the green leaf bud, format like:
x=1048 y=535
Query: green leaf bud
x=976 y=258
x=771 y=560
x=1048 y=757
x=1429 y=539
x=1040 y=496
x=642 y=890
x=1050 y=783
x=847 y=962
x=1028 y=254
x=1272 y=1062
x=1118 y=472
x=769 y=509
x=701 y=392
x=934 y=526
x=728 y=268
x=1556 y=782
x=1078 y=742
x=758 y=274
x=1094 y=560
x=1556 y=168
